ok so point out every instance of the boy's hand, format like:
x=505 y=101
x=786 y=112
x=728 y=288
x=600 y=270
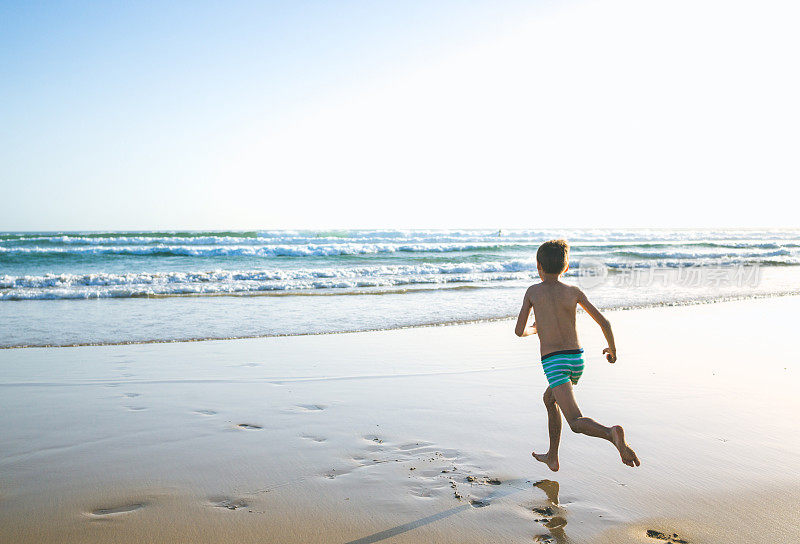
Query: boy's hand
x=611 y=355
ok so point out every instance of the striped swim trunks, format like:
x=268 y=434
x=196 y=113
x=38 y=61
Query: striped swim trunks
x=563 y=366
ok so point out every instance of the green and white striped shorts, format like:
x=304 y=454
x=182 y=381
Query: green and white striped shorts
x=563 y=366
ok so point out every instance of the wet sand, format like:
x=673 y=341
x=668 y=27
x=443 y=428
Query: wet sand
x=416 y=435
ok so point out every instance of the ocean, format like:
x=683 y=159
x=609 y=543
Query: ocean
x=71 y=288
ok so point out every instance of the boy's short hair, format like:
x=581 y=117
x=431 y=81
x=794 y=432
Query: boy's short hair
x=553 y=256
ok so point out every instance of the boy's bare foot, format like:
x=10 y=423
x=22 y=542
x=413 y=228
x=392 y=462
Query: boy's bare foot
x=625 y=451
x=551 y=462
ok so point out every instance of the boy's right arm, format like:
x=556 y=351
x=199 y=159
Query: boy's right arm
x=522 y=328
x=611 y=351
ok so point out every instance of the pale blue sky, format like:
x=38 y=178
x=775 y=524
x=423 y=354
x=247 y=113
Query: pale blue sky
x=143 y=115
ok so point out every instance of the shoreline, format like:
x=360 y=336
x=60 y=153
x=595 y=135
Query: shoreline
x=643 y=306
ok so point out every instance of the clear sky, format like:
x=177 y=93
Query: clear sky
x=429 y=114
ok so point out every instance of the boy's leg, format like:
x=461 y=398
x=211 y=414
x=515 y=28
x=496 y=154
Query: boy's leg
x=585 y=425
x=554 y=427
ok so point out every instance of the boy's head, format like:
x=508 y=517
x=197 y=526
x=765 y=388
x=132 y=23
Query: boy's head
x=553 y=257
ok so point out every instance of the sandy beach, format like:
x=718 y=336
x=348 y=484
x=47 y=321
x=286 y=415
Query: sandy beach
x=410 y=435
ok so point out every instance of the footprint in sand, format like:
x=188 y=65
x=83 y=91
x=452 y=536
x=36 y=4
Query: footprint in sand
x=421 y=491
x=313 y=438
x=413 y=445
x=433 y=471
x=304 y=409
x=658 y=535
x=482 y=480
x=244 y=365
x=249 y=426
x=114 y=510
x=228 y=502
x=312 y=407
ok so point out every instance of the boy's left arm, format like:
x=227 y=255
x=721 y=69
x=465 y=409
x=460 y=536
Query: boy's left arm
x=611 y=351
x=522 y=328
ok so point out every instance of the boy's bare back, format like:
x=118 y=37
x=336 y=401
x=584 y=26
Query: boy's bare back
x=554 y=305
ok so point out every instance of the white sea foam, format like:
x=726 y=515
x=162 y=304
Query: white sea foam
x=141 y=284
x=710 y=253
x=746 y=237
x=343 y=249
x=310 y=250
x=103 y=285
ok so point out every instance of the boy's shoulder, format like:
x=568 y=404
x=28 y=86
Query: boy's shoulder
x=533 y=289
x=540 y=285
x=573 y=290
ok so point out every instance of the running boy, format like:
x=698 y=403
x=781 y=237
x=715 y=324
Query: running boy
x=554 y=305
